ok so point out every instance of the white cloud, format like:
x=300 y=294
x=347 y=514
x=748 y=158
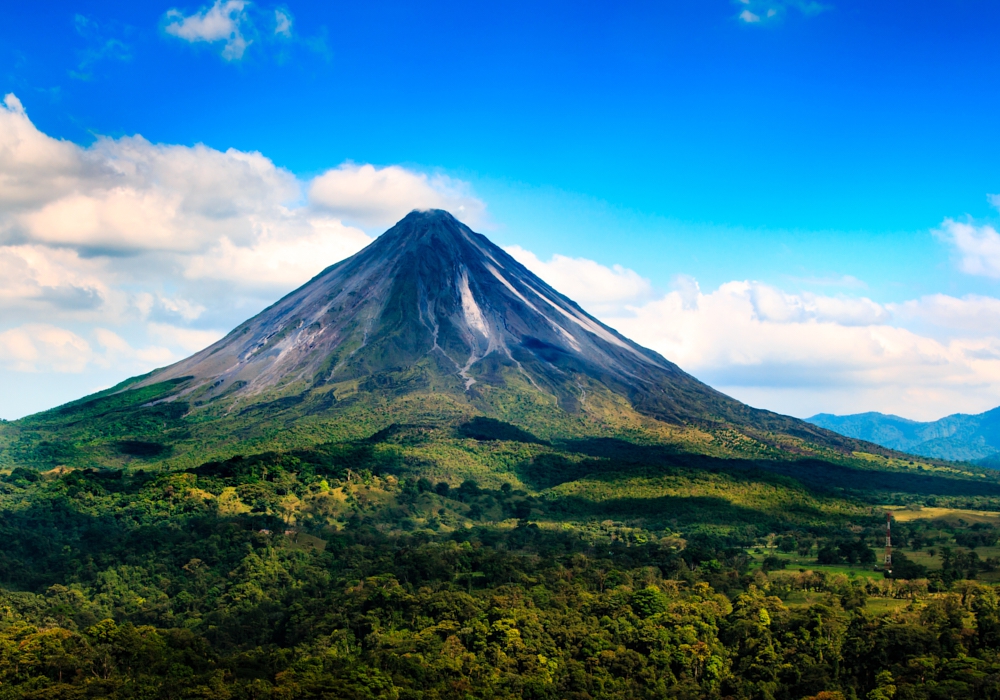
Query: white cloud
x=373 y=196
x=601 y=289
x=238 y=24
x=221 y=22
x=765 y=11
x=36 y=278
x=42 y=347
x=139 y=253
x=116 y=352
x=978 y=246
x=284 y=257
x=802 y=353
x=282 y=23
x=948 y=316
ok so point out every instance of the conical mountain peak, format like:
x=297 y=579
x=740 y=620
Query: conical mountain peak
x=431 y=306
x=429 y=227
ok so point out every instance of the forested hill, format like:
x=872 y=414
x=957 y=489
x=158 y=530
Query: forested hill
x=958 y=437
x=427 y=475
x=357 y=571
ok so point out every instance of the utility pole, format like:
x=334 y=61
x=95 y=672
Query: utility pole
x=888 y=542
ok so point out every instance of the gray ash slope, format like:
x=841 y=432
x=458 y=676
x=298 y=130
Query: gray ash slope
x=432 y=294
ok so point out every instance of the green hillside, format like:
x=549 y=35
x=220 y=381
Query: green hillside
x=411 y=549
x=451 y=482
x=958 y=437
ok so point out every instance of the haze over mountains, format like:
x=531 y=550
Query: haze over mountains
x=958 y=437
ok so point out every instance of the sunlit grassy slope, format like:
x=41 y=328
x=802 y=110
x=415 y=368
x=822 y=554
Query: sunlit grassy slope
x=604 y=461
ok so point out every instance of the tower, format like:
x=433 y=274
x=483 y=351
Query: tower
x=888 y=542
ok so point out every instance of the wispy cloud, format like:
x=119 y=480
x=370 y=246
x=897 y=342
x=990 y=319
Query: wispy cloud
x=843 y=281
x=236 y=25
x=283 y=23
x=761 y=12
x=101 y=46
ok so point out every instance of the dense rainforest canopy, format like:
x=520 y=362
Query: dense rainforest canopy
x=427 y=474
x=338 y=572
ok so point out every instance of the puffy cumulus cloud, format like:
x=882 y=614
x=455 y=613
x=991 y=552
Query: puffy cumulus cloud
x=977 y=246
x=42 y=347
x=222 y=22
x=371 y=196
x=149 y=252
x=599 y=288
x=33 y=167
x=946 y=316
x=804 y=354
x=57 y=281
x=280 y=256
x=771 y=304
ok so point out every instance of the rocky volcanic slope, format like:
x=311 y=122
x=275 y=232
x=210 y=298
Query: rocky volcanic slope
x=430 y=325
x=433 y=294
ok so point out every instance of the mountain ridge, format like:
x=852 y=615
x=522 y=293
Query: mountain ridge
x=956 y=437
x=465 y=306
x=431 y=324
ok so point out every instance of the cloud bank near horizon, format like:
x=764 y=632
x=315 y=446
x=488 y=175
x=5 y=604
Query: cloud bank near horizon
x=802 y=353
x=127 y=255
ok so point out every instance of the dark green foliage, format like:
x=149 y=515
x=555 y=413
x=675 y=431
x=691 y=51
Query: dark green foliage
x=405 y=515
x=903 y=568
x=483 y=428
x=142 y=448
x=773 y=563
x=134 y=584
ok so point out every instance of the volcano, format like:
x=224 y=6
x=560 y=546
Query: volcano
x=431 y=307
x=430 y=328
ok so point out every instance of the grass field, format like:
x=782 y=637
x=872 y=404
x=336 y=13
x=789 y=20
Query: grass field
x=884 y=606
x=909 y=514
x=795 y=563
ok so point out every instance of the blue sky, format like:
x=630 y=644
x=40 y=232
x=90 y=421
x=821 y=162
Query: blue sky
x=813 y=152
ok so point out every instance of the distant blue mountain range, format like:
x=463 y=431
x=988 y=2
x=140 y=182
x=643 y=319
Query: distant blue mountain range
x=959 y=437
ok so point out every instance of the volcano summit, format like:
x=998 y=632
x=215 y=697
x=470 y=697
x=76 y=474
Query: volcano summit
x=433 y=306
x=432 y=325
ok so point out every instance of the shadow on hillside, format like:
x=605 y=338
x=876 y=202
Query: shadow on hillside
x=613 y=456
x=677 y=510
